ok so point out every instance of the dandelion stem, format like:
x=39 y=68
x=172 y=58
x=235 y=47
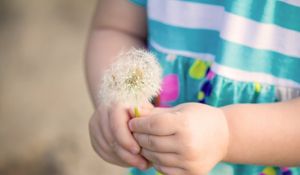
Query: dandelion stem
x=136 y=112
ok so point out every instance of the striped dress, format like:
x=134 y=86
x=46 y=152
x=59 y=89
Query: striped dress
x=222 y=52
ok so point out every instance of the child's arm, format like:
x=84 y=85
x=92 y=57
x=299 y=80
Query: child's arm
x=117 y=26
x=191 y=138
x=266 y=134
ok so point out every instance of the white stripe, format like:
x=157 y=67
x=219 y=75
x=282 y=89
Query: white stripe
x=228 y=72
x=195 y=55
x=263 y=78
x=292 y=2
x=232 y=27
x=261 y=36
x=186 y=14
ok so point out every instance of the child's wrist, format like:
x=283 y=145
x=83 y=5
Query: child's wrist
x=225 y=110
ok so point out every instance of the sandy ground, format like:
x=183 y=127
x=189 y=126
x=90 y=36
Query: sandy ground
x=44 y=105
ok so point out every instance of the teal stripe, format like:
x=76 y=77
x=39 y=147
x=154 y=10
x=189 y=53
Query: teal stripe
x=270 y=62
x=266 y=11
x=135 y=171
x=194 y=40
x=142 y=3
x=227 y=53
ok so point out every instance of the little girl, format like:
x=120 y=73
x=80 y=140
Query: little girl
x=219 y=58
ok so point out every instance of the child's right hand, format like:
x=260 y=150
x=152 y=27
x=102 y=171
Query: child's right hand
x=112 y=139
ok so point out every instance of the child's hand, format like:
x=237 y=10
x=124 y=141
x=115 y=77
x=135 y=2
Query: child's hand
x=189 y=139
x=112 y=139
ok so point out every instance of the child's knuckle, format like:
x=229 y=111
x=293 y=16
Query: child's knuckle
x=151 y=125
x=157 y=159
x=126 y=143
x=150 y=141
x=185 y=123
x=112 y=123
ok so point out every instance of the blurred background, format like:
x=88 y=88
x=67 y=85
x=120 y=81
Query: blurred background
x=44 y=104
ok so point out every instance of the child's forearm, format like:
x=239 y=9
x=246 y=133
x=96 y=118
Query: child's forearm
x=117 y=25
x=264 y=134
x=103 y=47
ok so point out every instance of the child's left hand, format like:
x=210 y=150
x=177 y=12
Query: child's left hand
x=189 y=139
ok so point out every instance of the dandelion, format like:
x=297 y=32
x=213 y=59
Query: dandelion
x=133 y=79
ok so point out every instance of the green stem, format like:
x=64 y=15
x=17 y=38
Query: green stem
x=136 y=112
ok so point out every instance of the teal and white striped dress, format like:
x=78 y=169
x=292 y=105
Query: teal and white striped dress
x=222 y=52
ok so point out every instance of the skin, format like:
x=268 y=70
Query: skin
x=190 y=139
x=187 y=139
x=177 y=141
x=117 y=26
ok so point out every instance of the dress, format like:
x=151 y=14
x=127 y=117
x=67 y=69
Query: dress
x=222 y=52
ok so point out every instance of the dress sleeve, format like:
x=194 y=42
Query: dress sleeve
x=142 y=3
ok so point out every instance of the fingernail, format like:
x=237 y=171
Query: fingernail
x=130 y=125
x=135 y=150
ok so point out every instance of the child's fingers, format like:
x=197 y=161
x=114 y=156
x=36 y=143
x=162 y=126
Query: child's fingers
x=161 y=124
x=133 y=160
x=169 y=170
x=104 y=127
x=163 y=144
x=165 y=159
x=97 y=138
x=118 y=121
x=101 y=147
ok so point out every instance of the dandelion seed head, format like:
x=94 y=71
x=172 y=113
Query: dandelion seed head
x=133 y=79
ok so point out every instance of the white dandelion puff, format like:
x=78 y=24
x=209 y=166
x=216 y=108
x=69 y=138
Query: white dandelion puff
x=133 y=79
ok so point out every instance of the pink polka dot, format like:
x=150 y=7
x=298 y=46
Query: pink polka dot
x=210 y=75
x=170 y=89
